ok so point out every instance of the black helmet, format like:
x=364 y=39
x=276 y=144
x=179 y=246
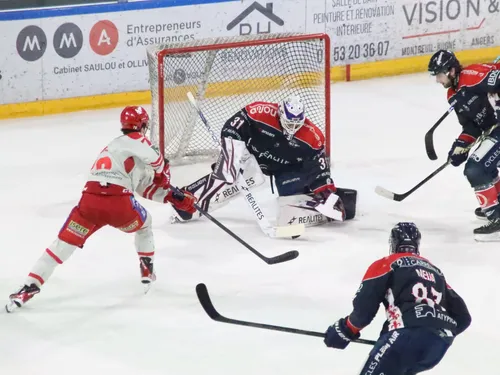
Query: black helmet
x=405 y=238
x=442 y=62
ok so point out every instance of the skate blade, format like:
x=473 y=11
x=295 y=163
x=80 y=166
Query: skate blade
x=490 y=237
x=146 y=287
x=11 y=307
x=146 y=284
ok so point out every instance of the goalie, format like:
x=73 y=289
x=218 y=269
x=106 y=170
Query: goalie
x=276 y=140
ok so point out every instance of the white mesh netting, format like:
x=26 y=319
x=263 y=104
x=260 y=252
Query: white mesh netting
x=224 y=75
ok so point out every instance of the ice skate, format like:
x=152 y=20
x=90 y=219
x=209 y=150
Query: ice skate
x=148 y=275
x=480 y=214
x=489 y=232
x=19 y=298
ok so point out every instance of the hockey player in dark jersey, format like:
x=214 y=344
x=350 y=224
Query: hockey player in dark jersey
x=277 y=140
x=474 y=93
x=424 y=314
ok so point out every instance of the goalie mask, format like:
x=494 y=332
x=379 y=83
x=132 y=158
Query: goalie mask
x=292 y=115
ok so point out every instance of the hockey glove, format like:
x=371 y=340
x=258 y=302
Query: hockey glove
x=162 y=178
x=339 y=335
x=459 y=151
x=182 y=200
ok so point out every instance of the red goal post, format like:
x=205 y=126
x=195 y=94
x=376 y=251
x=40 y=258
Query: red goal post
x=227 y=73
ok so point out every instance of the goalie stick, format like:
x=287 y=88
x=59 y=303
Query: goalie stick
x=285 y=257
x=294 y=230
x=206 y=303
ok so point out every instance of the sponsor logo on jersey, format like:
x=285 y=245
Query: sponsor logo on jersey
x=263 y=108
x=492 y=79
x=130 y=227
x=268 y=155
x=267 y=133
x=77 y=229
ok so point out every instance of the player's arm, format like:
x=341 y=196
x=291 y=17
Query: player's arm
x=319 y=163
x=460 y=148
x=237 y=126
x=234 y=154
x=370 y=294
x=365 y=306
x=142 y=149
x=457 y=309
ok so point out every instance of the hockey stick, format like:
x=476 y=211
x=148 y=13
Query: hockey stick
x=429 y=140
x=285 y=257
x=399 y=197
x=206 y=303
x=293 y=231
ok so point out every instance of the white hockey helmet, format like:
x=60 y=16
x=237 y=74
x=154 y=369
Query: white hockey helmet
x=292 y=115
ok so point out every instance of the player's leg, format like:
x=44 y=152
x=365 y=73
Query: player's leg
x=406 y=351
x=496 y=180
x=129 y=216
x=72 y=235
x=481 y=172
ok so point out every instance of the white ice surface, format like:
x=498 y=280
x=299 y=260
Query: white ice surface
x=92 y=317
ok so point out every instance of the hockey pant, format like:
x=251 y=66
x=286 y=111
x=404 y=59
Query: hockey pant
x=481 y=170
x=406 y=351
x=91 y=214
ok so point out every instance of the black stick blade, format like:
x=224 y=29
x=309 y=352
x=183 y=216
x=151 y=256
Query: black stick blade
x=285 y=257
x=206 y=303
x=429 y=145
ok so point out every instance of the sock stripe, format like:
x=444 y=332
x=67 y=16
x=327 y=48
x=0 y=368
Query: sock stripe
x=54 y=256
x=36 y=277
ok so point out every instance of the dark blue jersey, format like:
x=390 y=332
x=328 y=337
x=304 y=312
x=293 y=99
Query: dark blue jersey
x=258 y=125
x=474 y=99
x=414 y=293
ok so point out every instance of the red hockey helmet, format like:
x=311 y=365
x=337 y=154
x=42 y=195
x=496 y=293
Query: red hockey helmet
x=134 y=118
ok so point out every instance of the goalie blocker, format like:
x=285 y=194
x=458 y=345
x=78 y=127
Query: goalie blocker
x=275 y=139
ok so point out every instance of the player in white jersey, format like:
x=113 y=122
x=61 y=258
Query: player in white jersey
x=128 y=164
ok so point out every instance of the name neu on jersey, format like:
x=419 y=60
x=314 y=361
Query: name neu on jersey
x=426 y=275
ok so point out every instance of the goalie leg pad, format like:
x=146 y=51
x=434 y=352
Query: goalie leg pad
x=293 y=209
x=213 y=193
x=349 y=198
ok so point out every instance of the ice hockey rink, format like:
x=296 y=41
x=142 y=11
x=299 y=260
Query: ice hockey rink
x=92 y=315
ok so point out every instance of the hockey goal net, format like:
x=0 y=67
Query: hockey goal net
x=225 y=74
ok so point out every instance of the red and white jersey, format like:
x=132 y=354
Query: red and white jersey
x=126 y=161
